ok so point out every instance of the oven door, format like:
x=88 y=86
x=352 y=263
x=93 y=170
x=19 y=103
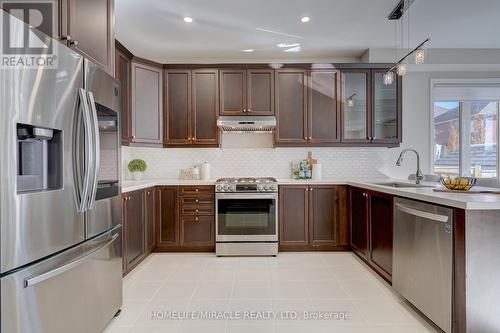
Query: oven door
x=246 y=217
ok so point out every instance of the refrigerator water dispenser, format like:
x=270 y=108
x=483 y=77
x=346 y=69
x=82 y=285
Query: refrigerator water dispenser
x=39 y=158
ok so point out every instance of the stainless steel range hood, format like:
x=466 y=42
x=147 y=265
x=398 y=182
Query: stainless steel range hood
x=246 y=124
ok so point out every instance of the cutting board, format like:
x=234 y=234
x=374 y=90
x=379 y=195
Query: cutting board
x=471 y=191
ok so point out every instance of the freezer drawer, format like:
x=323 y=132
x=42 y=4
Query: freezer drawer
x=77 y=291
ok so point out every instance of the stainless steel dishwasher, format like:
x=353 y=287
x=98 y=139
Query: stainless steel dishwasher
x=423 y=258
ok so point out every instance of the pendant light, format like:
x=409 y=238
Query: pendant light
x=401 y=66
x=388 y=78
x=419 y=56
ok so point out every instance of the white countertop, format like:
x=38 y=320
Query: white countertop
x=458 y=200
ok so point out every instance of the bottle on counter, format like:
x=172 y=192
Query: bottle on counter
x=205 y=171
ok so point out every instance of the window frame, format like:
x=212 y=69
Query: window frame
x=462 y=151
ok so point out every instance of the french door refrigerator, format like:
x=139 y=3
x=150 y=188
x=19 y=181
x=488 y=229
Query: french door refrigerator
x=60 y=207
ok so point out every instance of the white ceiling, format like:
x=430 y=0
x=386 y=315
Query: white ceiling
x=339 y=30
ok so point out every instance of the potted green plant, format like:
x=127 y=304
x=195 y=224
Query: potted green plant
x=136 y=167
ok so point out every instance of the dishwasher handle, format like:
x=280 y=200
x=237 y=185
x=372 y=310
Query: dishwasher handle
x=423 y=214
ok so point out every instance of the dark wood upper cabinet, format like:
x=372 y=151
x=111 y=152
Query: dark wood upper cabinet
x=371 y=110
x=381 y=222
x=147 y=101
x=233 y=92
x=323 y=107
x=167 y=231
x=323 y=215
x=293 y=215
x=88 y=27
x=260 y=92
x=122 y=74
x=149 y=219
x=359 y=222
x=247 y=92
x=133 y=229
x=205 y=106
x=386 y=110
x=291 y=106
x=356 y=106
x=178 y=107
x=192 y=107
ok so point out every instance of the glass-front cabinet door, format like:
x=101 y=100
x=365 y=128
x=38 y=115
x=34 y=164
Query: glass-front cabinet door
x=385 y=106
x=355 y=106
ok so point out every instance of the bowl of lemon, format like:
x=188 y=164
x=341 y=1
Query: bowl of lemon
x=458 y=183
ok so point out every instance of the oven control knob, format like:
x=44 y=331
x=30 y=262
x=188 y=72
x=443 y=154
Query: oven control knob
x=226 y=188
x=266 y=188
x=219 y=187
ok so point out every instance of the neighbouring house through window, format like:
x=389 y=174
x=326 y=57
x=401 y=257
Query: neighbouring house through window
x=465 y=128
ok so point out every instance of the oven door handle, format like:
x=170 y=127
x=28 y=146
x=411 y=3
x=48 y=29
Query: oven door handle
x=246 y=196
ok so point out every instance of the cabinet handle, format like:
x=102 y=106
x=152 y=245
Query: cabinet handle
x=197 y=210
x=196 y=218
x=307 y=189
x=197 y=190
x=310 y=138
x=197 y=200
x=248 y=110
x=311 y=189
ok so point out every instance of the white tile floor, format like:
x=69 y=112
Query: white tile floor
x=296 y=282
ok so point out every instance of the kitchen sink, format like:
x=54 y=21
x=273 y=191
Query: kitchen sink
x=402 y=185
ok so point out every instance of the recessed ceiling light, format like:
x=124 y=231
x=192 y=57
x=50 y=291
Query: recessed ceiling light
x=188 y=19
x=286 y=45
x=248 y=50
x=305 y=19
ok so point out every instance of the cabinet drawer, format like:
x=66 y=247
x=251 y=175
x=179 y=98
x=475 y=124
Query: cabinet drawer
x=197 y=200
x=194 y=190
x=197 y=230
x=197 y=210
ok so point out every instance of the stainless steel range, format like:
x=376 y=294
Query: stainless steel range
x=246 y=217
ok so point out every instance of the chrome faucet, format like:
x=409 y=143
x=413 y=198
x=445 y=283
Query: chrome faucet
x=418 y=175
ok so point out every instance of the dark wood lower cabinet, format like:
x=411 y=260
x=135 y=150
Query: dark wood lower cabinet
x=359 y=222
x=149 y=219
x=293 y=215
x=186 y=220
x=371 y=229
x=133 y=229
x=197 y=231
x=323 y=215
x=311 y=219
x=167 y=230
x=381 y=222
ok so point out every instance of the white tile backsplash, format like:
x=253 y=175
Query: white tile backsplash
x=339 y=162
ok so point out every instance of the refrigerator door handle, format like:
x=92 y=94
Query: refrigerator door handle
x=96 y=151
x=88 y=147
x=50 y=274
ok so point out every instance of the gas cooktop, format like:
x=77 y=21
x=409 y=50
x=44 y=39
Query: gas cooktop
x=246 y=184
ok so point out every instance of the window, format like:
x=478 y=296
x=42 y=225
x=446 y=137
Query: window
x=465 y=129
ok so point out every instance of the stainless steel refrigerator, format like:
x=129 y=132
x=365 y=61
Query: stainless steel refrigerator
x=60 y=207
